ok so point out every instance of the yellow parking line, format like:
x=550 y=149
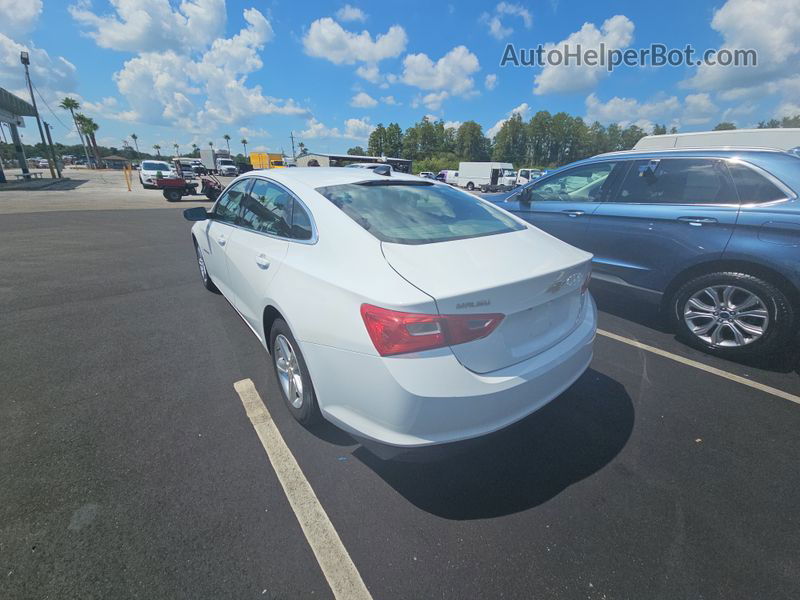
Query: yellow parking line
x=698 y=365
x=336 y=564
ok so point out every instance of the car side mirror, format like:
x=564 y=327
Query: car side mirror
x=198 y=213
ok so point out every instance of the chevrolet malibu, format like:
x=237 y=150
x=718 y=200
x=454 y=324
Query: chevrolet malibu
x=404 y=311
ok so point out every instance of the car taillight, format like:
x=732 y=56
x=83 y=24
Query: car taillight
x=395 y=332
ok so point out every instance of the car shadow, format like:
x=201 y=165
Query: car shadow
x=525 y=464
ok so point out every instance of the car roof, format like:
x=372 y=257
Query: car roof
x=316 y=177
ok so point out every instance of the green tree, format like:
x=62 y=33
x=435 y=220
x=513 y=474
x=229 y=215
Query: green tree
x=376 y=145
x=157 y=148
x=470 y=143
x=244 y=145
x=72 y=105
x=659 y=129
x=511 y=142
x=227 y=139
x=393 y=140
x=356 y=151
x=724 y=126
x=135 y=139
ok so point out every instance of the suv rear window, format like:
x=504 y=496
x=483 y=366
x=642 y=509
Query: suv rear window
x=753 y=187
x=417 y=213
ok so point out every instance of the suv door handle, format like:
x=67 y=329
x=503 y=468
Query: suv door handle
x=221 y=240
x=262 y=261
x=573 y=213
x=698 y=221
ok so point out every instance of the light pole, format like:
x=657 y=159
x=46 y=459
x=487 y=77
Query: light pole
x=25 y=60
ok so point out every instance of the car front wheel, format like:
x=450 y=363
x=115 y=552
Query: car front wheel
x=201 y=265
x=733 y=314
x=292 y=374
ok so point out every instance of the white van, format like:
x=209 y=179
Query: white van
x=527 y=175
x=487 y=176
x=786 y=139
x=448 y=176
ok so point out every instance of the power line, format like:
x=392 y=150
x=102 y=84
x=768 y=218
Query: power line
x=50 y=109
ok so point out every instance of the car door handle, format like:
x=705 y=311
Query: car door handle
x=573 y=213
x=221 y=240
x=262 y=261
x=697 y=221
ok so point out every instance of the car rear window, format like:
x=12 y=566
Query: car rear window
x=155 y=166
x=416 y=212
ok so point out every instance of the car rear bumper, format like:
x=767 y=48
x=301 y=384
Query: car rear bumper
x=430 y=398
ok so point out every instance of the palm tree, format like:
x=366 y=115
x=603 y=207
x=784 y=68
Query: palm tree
x=227 y=139
x=244 y=143
x=72 y=105
x=135 y=137
x=177 y=149
x=89 y=128
x=157 y=148
x=195 y=148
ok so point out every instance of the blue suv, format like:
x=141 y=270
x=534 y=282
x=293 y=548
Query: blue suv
x=713 y=236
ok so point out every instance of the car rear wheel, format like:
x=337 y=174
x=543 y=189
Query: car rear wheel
x=732 y=314
x=201 y=264
x=173 y=195
x=470 y=186
x=292 y=375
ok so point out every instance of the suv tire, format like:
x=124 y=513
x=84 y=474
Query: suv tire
x=732 y=314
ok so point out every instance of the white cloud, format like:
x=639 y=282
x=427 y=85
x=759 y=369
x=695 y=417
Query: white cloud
x=432 y=101
x=171 y=87
x=153 y=26
x=327 y=39
x=369 y=72
x=771 y=27
x=53 y=77
x=389 y=100
x=522 y=110
x=247 y=132
x=490 y=82
x=451 y=73
x=616 y=32
x=354 y=129
x=350 y=13
x=494 y=22
x=695 y=109
x=363 y=100
x=19 y=18
x=453 y=124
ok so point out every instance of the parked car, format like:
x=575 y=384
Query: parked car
x=42 y=164
x=447 y=176
x=712 y=236
x=148 y=173
x=427 y=175
x=424 y=336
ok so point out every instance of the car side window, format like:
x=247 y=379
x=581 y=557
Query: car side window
x=752 y=186
x=677 y=181
x=301 y=222
x=588 y=183
x=228 y=205
x=268 y=209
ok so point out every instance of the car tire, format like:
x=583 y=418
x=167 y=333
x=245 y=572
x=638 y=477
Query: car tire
x=470 y=186
x=732 y=314
x=208 y=283
x=292 y=375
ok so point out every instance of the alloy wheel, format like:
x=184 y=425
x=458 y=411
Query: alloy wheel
x=289 y=372
x=726 y=316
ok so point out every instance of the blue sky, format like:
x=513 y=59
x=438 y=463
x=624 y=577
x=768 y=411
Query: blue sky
x=191 y=70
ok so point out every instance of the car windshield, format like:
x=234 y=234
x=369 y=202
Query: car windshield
x=151 y=165
x=417 y=213
x=226 y=162
x=509 y=173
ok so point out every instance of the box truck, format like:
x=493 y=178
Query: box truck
x=266 y=160
x=218 y=162
x=487 y=176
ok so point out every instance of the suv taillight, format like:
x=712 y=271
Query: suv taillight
x=394 y=332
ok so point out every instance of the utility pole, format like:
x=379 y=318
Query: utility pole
x=47 y=128
x=20 y=150
x=291 y=135
x=25 y=60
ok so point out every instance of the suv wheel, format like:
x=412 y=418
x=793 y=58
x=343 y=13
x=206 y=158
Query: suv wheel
x=292 y=374
x=732 y=314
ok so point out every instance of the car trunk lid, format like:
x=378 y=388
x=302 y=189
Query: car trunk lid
x=533 y=279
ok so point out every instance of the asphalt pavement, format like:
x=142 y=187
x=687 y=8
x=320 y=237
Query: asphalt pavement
x=129 y=468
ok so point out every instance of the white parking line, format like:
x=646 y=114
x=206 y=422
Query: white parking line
x=698 y=365
x=336 y=564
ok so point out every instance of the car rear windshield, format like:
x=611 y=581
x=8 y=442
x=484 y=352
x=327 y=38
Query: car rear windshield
x=417 y=213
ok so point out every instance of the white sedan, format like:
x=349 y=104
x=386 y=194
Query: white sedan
x=150 y=170
x=405 y=311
